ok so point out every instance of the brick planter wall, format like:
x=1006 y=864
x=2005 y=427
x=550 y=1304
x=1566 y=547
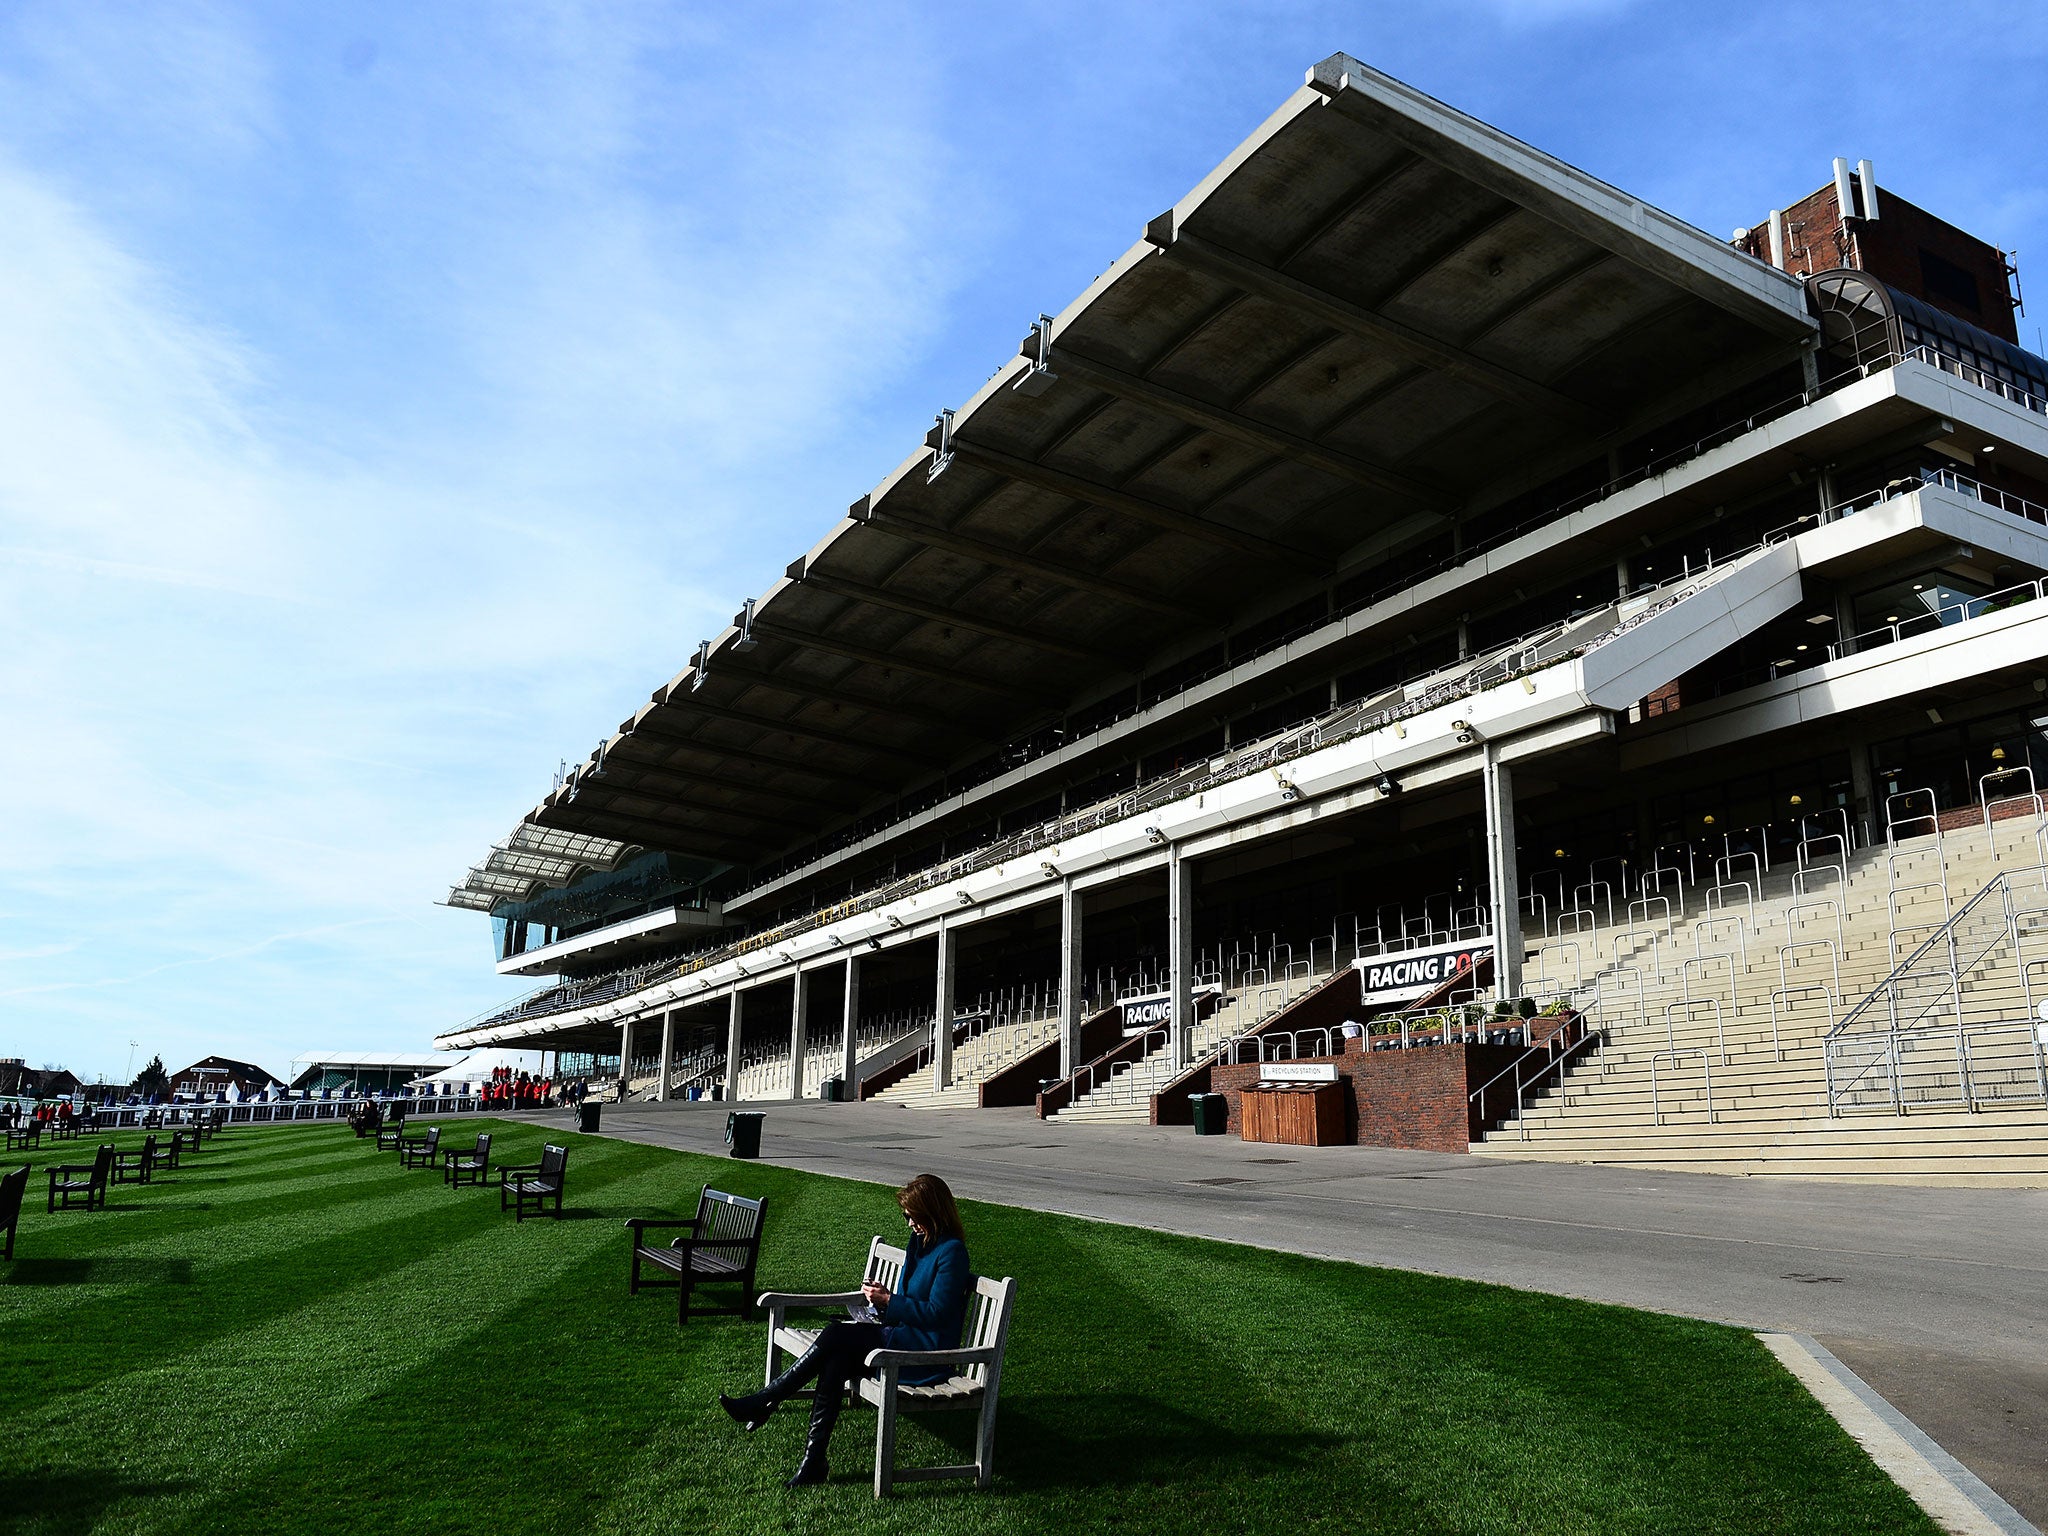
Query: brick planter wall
x=1415 y=1098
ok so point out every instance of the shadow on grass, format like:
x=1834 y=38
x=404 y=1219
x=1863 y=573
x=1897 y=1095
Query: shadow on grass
x=1074 y=1440
x=68 y=1503
x=100 y=1271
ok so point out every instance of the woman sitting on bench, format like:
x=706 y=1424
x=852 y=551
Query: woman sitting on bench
x=925 y=1314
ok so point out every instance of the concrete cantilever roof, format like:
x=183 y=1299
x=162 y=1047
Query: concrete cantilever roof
x=1377 y=314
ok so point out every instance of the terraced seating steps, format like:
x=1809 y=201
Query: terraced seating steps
x=1769 y=1105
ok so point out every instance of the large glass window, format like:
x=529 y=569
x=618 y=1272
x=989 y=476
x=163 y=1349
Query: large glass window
x=1995 y=758
x=1918 y=603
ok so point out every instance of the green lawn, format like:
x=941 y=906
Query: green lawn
x=292 y=1334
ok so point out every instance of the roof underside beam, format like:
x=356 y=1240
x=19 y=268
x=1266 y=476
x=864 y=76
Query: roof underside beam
x=1253 y=276
x=805 y=690
x=689 y=703
x=1225 y=422
x=607 y=790
x=1644 y=236
x=752 y=755
x=1108 y=497
x=918 y=532
x=672 y=781
x=860 y=592
x=833 y=645
x=668 y=836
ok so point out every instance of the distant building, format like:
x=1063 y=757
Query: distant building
x=18 y=1080
x=217 y=1074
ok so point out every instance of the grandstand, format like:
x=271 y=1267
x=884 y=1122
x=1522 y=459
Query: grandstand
x=1415 y=567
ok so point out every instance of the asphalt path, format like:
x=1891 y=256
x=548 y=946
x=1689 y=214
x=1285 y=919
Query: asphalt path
x=1937 y=1297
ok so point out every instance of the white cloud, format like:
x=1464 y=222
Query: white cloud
x=307 y=579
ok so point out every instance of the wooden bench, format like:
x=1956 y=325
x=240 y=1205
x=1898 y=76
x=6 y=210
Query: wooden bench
x=391 y=1134
x=136 y=1167
x=721 y=1246
x=884 y=1267
x=459 y=1168
x=184 y=1139
x=537 y=1183
x=65 y=1189
x=420 y=1151
x=11 y=1188
x=975 y=1384
x=25 y=1137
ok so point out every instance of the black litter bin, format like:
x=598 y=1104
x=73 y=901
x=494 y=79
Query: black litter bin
x=1212 y=1113
x=743 y=1132
x=586 y=1117
x=834 y=1091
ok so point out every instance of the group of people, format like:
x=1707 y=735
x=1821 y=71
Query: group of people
x=15 y=1114
x=520 y=1090
x=926 y=1312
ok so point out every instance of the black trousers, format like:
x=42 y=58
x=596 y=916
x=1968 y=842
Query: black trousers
x=842 y=1351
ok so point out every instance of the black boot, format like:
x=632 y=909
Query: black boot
x=824 y=1414
x=755 y=1409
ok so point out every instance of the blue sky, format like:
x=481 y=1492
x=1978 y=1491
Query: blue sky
x=392 y=394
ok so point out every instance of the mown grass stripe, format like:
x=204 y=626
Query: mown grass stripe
x=1156 y=1382
x=220 y=1418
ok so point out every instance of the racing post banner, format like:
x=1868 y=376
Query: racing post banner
x=1155 y=1009
x=1413 y=973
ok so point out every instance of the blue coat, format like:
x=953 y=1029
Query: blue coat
x=930 y=1303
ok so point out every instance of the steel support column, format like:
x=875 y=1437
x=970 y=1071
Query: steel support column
x=732 y=1046
x=625 y=1059
x=799 y=1026
x=1180 y=952
x=942 y=1009
x=668 y=1054
x=849 y=1045
x=1502 y=879
x=1070 y=978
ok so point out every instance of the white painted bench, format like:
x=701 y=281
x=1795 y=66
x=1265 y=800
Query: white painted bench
x=977 y=1363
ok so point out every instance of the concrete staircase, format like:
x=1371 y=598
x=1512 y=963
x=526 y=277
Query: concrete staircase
x=974 y=1060
x=1124 y=1095
x=1768 y=1111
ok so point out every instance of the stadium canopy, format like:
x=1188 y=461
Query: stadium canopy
x=1375 y=316
x=314 y=1068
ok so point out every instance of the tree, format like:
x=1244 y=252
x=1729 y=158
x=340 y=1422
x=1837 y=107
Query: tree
x=152 y=1079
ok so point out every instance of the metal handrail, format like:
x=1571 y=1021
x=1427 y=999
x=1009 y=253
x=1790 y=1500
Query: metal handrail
x=1900 y=971
x=1706 y=1067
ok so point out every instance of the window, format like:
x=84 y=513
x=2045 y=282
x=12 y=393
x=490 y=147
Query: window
x=1946 y=282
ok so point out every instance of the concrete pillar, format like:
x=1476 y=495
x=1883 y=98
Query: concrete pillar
x=1070 y=978
x=849 y=1047
x=799 y=1026
x=1180 y=953
x=625 y=1058
x=1501 y=876
x=942 y=1009
x=1866 y=817
x=668 y=1054
x=732 y=1046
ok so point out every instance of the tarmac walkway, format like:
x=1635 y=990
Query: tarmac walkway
x=1938 y=1298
